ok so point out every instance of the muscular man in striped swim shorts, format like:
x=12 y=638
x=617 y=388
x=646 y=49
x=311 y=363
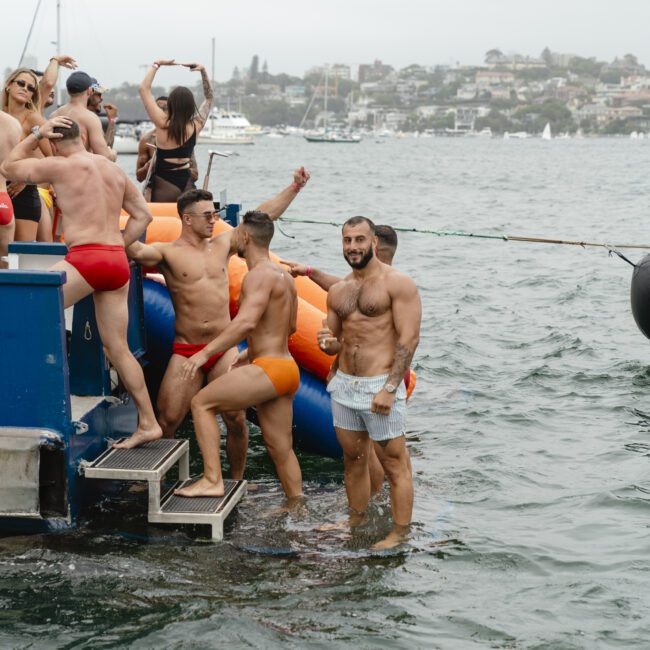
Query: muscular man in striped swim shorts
x=264 y=376
x=375 y=314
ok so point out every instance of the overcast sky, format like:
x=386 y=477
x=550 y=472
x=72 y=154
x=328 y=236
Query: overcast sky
x=112 y=39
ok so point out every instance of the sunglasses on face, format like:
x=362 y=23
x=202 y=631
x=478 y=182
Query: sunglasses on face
x=208 y=216
x=23 y=84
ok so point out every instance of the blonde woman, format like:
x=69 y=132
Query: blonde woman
x=21 y=98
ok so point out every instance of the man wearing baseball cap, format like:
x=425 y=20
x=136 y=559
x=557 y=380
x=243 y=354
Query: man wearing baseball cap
x=80 y=88
x=106 y=113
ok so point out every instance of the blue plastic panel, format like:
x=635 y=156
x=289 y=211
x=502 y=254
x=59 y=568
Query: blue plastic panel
x=34 y=368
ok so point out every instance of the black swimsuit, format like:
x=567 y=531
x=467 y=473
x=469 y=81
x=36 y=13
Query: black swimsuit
x=27 y=204
x=171 y=179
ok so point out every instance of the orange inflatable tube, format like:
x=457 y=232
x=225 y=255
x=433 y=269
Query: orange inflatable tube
x=312 y=309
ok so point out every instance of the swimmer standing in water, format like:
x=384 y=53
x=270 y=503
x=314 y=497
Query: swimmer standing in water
x=374 y=314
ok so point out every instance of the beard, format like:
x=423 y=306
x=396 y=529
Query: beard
x=241 y=252
x=363 y=262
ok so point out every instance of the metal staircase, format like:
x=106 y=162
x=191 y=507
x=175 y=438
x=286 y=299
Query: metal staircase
x=151 y=462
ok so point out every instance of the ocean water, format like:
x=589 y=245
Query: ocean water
x=529 y=432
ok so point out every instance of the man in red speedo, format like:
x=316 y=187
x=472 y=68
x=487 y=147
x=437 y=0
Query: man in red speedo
x=10 y=135
x=91 y=191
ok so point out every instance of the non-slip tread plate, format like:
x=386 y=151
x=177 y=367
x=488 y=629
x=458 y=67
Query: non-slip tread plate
x=210 y=505
x=146 y=457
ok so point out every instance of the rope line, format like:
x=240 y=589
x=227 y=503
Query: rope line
x=506 y=238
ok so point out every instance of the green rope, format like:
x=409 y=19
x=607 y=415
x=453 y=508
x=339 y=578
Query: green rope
x=461 y=233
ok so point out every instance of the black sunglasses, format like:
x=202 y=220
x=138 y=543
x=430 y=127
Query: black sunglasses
x=23 y=84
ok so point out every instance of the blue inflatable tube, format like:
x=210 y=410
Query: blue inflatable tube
x=313 y=431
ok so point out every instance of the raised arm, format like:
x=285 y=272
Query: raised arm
x=276 y=206
x=111 y=112
x=96 y=140
x=34 y=118
x=322 y=279
x=51 y=73
x=156 y=114
x=208 y=95
x=254 y=300
x=21 y=167
x=139 y=214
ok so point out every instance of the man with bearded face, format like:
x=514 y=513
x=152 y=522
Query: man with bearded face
x=374 y=313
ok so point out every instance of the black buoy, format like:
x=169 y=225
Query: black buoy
x=640 y=295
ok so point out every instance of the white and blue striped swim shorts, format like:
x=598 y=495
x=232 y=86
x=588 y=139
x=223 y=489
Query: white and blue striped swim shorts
x=351 y=401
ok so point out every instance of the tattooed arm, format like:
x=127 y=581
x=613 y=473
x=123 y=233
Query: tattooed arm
x=407 y=314
x=204 y=109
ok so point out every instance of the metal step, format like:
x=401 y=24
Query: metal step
x=149 y=462
x=212 y=511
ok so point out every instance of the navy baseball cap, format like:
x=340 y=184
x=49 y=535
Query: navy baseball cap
x=77 y=82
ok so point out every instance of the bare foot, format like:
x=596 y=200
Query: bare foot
x=393 y=539
x=202 y=488
x=139 y=438
x=292 y=504
x=328 y=528
x=353 y=521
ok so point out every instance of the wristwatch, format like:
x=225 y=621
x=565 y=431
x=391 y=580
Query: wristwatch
x=390 y=388
x=37 y=133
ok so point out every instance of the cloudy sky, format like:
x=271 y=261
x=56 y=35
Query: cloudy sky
x=114 y=39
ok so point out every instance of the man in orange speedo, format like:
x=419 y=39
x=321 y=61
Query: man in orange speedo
x=265 y=375
x=91 y=191
x=195 y=268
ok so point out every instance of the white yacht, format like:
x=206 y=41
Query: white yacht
x=126 y=138
x=226 y=127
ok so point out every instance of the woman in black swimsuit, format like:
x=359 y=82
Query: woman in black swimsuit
x=21 y=98
x=176 y=133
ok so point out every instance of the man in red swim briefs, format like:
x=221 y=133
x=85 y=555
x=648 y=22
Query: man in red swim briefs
x=195 y=268
x=91 y=191
x=10 y=135
x=264 y=376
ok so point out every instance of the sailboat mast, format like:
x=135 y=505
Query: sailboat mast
x=327 y=73
x=57 y=89
x=213 y=64
x=29 y=34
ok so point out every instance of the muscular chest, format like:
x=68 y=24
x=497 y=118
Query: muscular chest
x=193 y=267
x=369 y=299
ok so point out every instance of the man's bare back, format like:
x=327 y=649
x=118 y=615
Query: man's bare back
x=272 y=282
x=78 y=114
x=90 y=191
x=90 y=128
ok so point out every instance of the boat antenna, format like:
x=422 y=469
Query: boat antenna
x=29 y=34
x=311 y=101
